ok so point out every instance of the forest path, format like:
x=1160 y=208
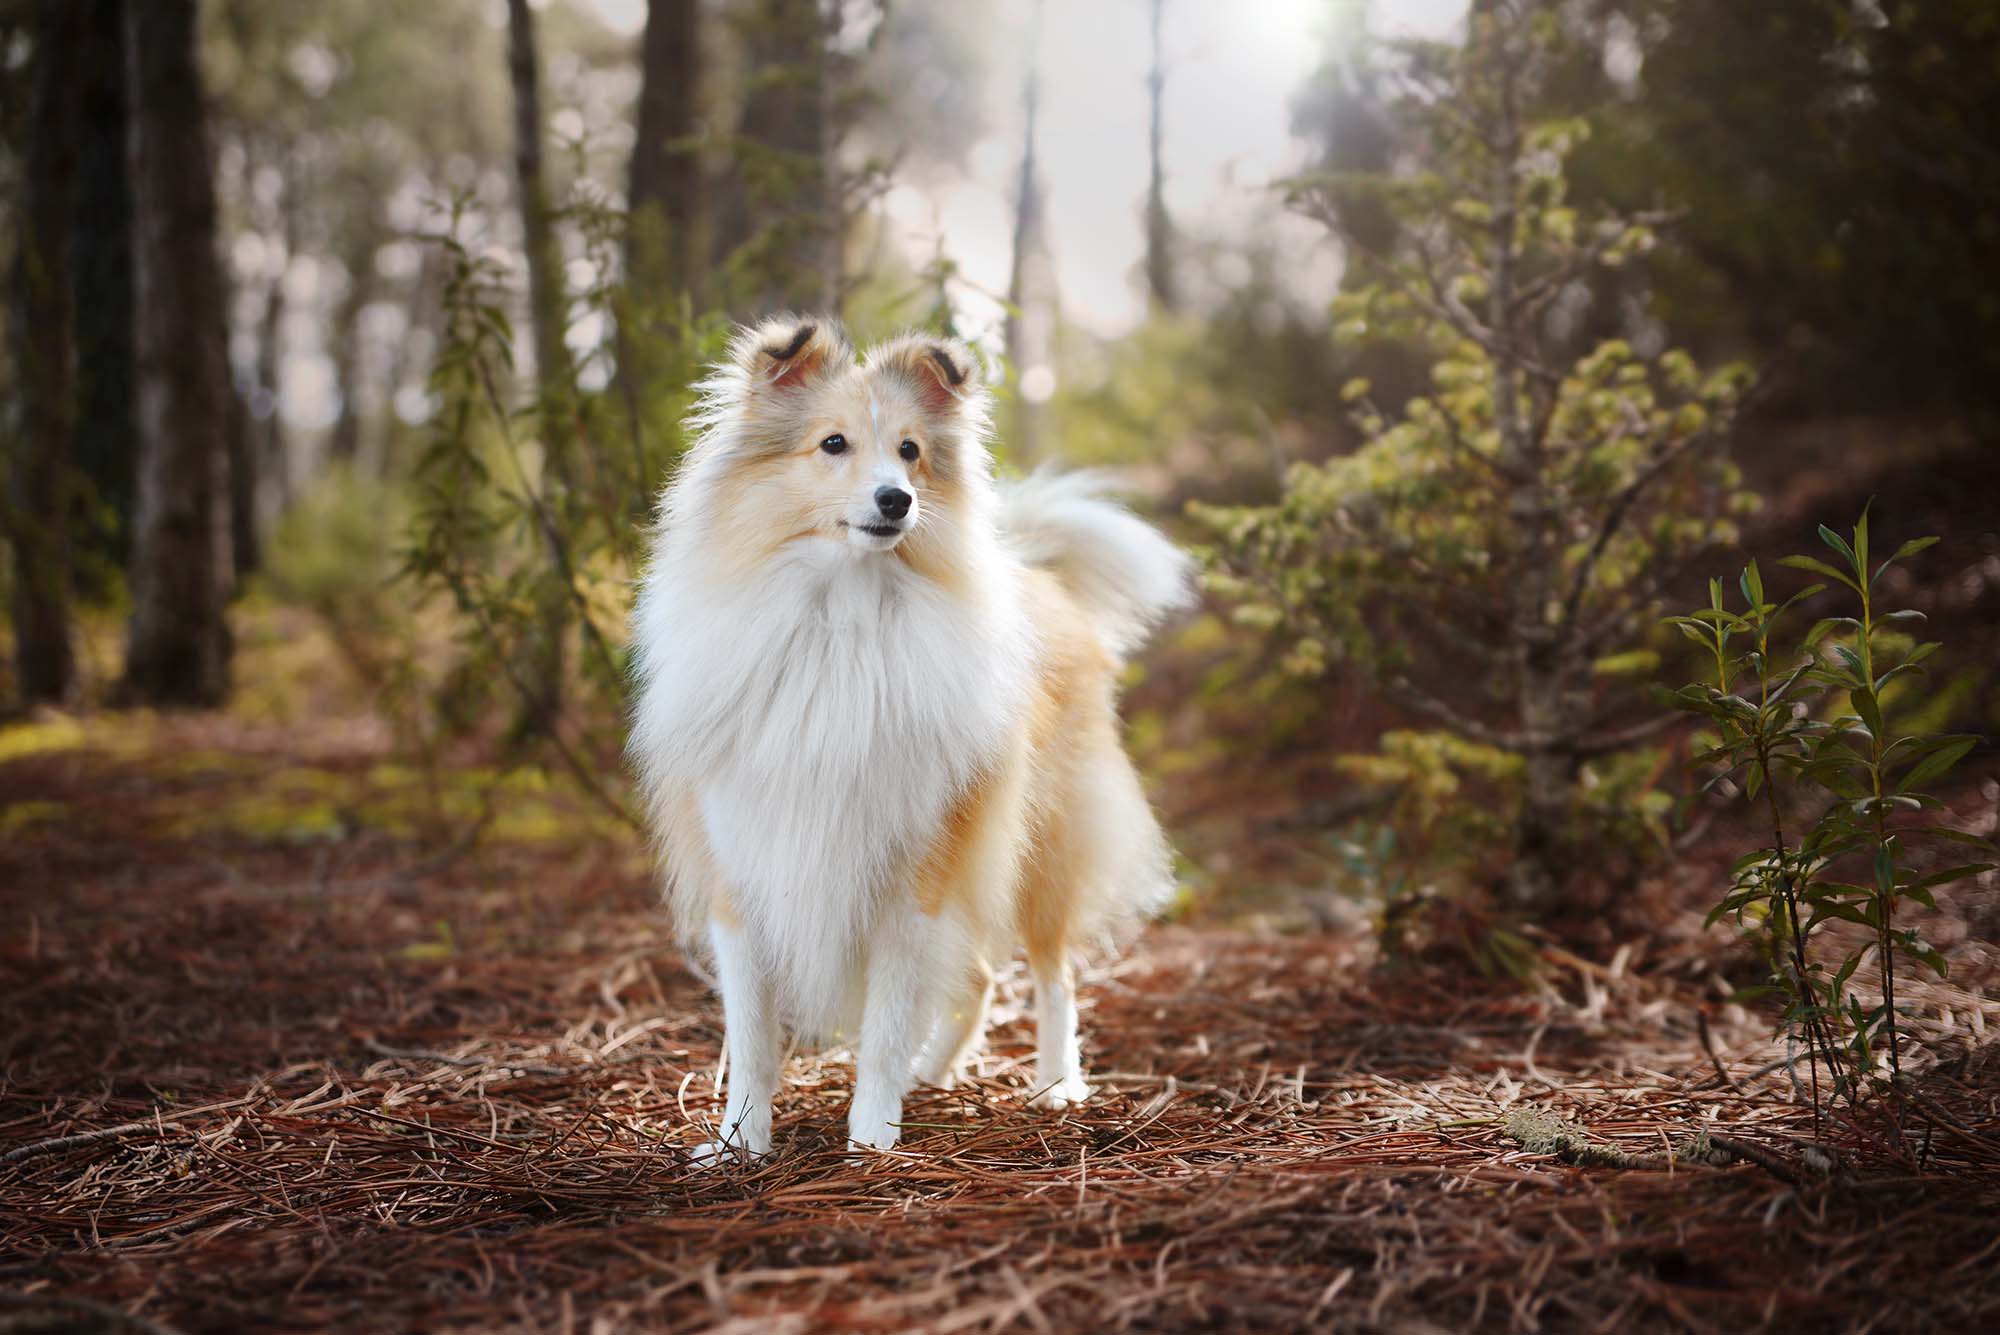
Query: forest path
x=279 y=1056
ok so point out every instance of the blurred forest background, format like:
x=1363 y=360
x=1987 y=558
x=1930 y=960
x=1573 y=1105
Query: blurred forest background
x=347 y=345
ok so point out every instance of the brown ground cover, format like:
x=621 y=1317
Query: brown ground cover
x=273 y=1060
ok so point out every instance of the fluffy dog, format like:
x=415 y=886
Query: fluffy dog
x=876 y=726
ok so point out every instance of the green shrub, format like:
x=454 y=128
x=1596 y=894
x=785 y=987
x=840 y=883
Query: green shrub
x=1857 y=862
x=1492 y=555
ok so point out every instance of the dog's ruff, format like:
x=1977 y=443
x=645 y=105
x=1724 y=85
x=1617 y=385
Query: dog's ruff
x=880 y=749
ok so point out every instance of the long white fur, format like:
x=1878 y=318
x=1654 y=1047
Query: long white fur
x=825 y=710
x=1122 y=569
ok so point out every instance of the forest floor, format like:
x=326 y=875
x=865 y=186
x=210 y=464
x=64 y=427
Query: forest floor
x=277 y=1055
x=297 y=1035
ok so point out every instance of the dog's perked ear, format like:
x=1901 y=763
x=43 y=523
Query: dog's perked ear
x=944 y=373
x=788 y=351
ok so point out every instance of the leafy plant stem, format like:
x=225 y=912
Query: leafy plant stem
x=1819 y=1042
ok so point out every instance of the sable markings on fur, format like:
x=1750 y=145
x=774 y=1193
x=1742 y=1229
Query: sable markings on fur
x=876 y=723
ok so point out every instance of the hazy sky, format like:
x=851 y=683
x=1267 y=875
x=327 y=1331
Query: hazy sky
x=1232 y=67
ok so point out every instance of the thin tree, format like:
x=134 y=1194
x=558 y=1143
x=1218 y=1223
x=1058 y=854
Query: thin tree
x=36 y=509
x=771 y=208
x=179 y=650
x=1159 y=228
x=666 y=203
x=1028 y=252
x=240 y=472
x=662 y=247
x=545 y=290
x=546 y=307
x=107 y=444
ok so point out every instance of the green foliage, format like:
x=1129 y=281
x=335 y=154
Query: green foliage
x=524 y=549
x=1875 y=213
x=1856 y=863
x=1492 y=552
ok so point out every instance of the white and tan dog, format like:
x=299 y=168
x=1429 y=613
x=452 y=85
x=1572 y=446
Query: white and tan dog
x=876 y=725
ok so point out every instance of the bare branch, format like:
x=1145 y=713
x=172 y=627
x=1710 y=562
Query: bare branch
x=1598 y=744
x=1408 y=694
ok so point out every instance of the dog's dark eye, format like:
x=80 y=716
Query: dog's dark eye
x=909 y=450
x=834 y=444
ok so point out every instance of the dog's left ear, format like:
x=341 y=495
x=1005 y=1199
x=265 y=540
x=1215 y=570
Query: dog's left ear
x=789 y=350
x=944 y=372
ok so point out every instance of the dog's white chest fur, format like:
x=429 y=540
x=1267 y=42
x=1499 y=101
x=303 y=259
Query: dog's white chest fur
x=824 y=720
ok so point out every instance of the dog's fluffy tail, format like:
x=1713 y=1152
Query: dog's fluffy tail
x=1124 y=572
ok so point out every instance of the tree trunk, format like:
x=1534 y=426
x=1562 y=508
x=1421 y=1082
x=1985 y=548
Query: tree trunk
x=1024 y=438
x=771 y=211
x=1538 y=872
x=273 y=459
x=179 y=650
x=344 y=442
x=240 y=478
x=832 y=229
x=107 y=433
x=662 y=245
x=545 y=292
x=1159 y=229
x=1541 y=835
x=546 y=304
x=37 y=506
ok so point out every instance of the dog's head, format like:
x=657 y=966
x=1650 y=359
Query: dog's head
x=879 y=454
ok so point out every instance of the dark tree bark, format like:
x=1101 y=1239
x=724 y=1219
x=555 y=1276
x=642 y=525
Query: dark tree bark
x=107 y=439
x=546 y=305
x=268 y=424
x=772 y=208
x=545 y=292
x=37 y=505
x=662 y=249
x=1159 y=228
x=179 y=650
x=240 y=460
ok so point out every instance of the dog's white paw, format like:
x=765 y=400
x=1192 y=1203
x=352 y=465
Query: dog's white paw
x=940 y=1077
x=1069 y=1090
x=873 y=1129
x=879 y=1137
x=722 y=1153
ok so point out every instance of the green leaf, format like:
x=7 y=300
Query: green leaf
x=1910 y=548
x=1839 y=544
x=1937 y=763
x=1869 y=708
x=1929 y=955
x=1838 y=912
x=1951 y=874
x=1752 y=585
x=1819 y=567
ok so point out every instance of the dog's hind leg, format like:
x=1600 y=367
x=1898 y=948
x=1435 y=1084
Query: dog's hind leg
x=960 y=1027
x=753 y=1043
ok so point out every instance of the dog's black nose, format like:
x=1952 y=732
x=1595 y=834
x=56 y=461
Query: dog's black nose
x=893 y=502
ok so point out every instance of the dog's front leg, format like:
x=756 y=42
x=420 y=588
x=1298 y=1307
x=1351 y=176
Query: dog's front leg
x=753 y=1041
x=895 y=1020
